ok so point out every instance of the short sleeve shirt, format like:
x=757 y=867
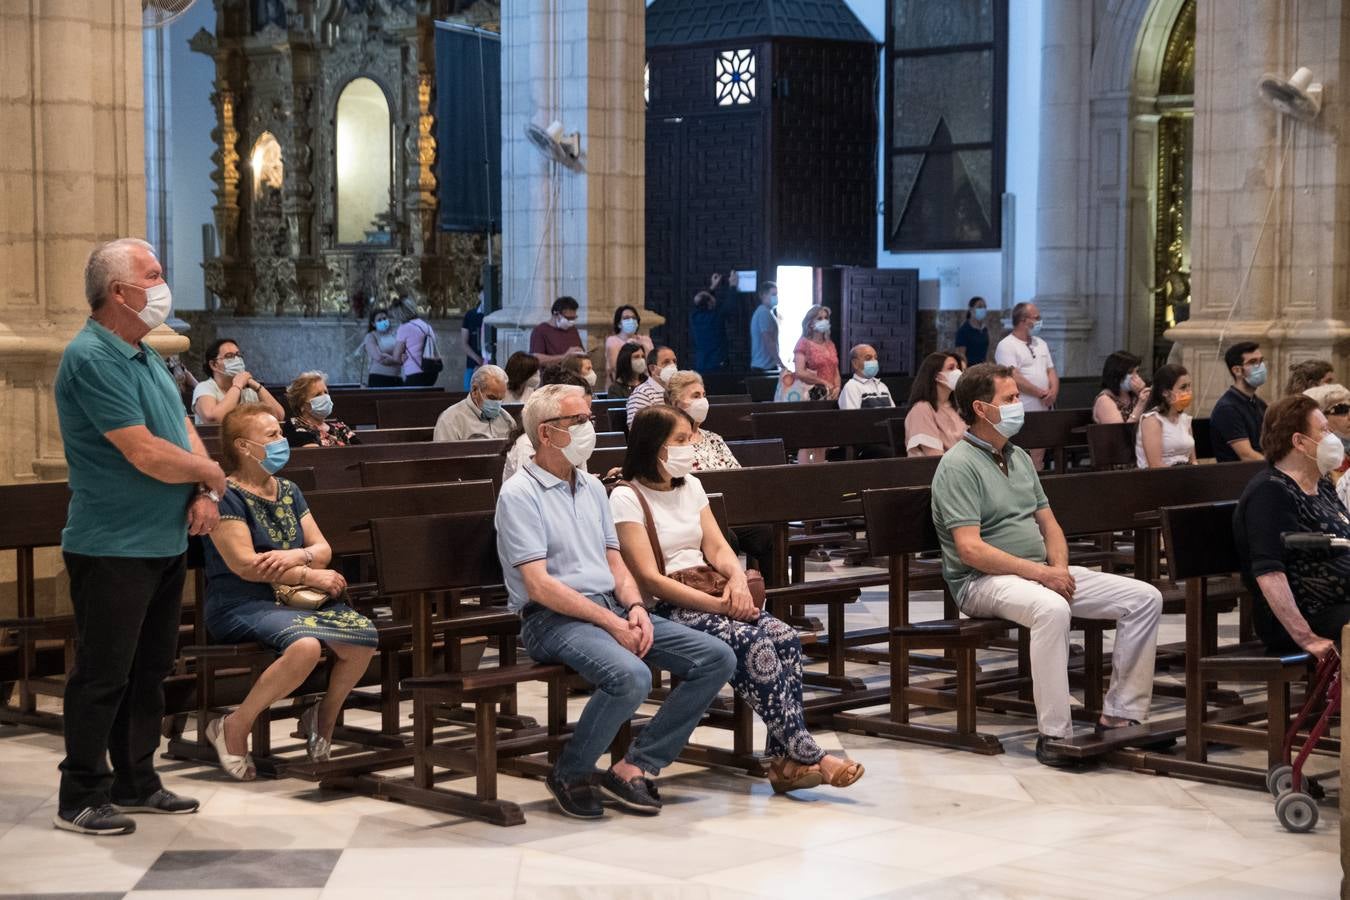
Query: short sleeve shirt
x=976 y=342
x=1274 y=504
x=568 y=525
x=272 y=525
x=1031 y=360
x=678 y=513
x=970 y=488
x=937 y=429
x=548 y=339
x=413 y=334
x=1235 y=417
x=209 y=388
x=859 y=392
x=764 y=339
x=650 y=393
x=104 y=384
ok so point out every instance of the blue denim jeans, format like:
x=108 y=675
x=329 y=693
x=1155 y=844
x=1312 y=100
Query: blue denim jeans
x=622 y=681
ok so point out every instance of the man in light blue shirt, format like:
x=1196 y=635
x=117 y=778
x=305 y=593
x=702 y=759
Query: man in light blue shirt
x=581 y=608
x=764 y=331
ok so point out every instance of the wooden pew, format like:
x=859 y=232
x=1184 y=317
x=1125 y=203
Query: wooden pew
x=340 y=467
x=433 y=471
x=747 y=453
x=1111 y=446
x=730 y=420
x=414 y=412
x=849 y=428
x=361 y=408
x=1054 y=431
x=396 y=435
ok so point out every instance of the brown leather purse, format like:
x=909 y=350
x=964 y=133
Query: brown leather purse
x=701 y=578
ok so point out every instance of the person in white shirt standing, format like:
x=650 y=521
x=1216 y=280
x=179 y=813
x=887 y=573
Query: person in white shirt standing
x=1033 y=368
x=865 y=389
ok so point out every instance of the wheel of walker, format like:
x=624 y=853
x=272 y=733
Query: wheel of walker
x=1296 y=811
x=1280 y=779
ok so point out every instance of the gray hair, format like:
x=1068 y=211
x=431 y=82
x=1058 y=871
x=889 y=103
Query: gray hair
x=107 y=263
x=679 y=383
x=482 y=374
x=545 y=403
x=857 y=348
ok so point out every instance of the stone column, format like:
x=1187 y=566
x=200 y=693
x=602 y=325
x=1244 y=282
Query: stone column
x=1063 y=241
x=71 y=174
x=575 y=231
x=1271 y=202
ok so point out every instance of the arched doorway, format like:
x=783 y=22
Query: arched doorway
x=1171 y=288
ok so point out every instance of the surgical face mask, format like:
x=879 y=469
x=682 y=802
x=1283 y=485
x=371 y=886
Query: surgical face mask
x=679 y=460
x=951 y=377
x=158 y=305
x=1330 y=453
x=382 y=325
x=698 y=409
x=491 y=408
x=582 y=445
x=278 y=454
x=321 y=405
x=1036 y=327
x=1011 y=419
x=822 y=326
x=532 y=382
x=1345 y=442
x=870 y=368
x=1127 y=385
x=1182 y=402
x=773 y=301
x=639 y=366
x=234 y=366
x=628 y=326
x=978 y=313
x=1256 y=375
x=590 y=377
x=565 y=323
x=666 y=372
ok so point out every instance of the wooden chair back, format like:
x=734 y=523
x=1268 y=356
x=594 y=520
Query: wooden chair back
x=828 y=427
x=340 y=467
x=1111 y=446
x=344 y=515
x=396 y=435
x=747 y=453
x=432 y=471
x=1199 y=539
x=413 y=412
x=35 y=514
x=411 y=552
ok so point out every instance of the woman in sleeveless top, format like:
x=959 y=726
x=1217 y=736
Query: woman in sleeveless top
x=1123 y=395
x=1164 y=434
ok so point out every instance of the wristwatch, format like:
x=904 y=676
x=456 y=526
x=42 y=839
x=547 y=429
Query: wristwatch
x=204 y=491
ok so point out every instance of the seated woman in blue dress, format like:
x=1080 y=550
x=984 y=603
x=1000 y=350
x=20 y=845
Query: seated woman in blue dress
x=267 y=537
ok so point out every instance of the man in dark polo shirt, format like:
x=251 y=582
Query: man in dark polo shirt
x=1235 y=423
x=140 y=480
x=557 y=339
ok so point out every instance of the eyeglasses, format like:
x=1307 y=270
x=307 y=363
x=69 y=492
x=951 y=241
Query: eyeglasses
x=1340 y=409
x=581 y=419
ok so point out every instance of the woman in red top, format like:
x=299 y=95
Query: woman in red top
x=815 y=363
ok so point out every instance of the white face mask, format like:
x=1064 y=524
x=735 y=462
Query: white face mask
x=582 y=445
x=566 y=324
x=951 y=377
x=822 y=326
x=698 y=409
x=1330 y=453
x=531 y=383
x=639 y=366
x=666 y=372
x=234 y=366
x=590 y=377
x=679 y=460
x=158 y=305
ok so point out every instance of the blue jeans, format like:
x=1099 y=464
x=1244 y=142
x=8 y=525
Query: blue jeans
x=622 y=681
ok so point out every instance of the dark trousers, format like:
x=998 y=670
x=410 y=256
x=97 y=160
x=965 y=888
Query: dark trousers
x=375 y=381
x=421 y=379
x=126 y=620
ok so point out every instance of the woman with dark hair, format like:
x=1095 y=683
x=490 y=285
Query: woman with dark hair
x=630 y=370
x=522 y=376
x=626 y=324
x=383 y=368
x=972 y=338
x=933 y=425
x=1163 y=437
x=666 y=528
x=1123 y=395
x=228 y=384
x=1302 y=596
x=266 y=544
x=1309 y=373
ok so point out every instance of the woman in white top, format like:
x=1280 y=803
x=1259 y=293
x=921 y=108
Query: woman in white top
x=228 y=384
x=1164 y=434
x=769 y=655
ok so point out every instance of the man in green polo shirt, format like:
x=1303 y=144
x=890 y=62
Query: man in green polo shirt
x=140 y=480
x=1004 y=557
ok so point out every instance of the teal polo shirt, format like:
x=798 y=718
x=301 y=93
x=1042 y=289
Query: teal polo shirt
x=104 y=384
x=969 y=488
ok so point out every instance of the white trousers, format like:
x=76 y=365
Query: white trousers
x=1136 y=608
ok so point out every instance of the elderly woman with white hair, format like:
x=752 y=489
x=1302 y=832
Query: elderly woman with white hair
x=312 y=423
x=1334 y=401
x=479 y=415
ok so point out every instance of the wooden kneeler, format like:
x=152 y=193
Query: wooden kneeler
x=899 y=525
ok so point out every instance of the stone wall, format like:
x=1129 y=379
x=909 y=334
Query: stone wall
x=279 y=348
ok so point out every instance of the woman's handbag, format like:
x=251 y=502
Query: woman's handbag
x=701 y=578
x=297 y=596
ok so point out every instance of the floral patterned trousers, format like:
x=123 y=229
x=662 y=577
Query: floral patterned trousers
x=768 y=675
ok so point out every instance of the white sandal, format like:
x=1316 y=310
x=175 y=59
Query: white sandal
x=317 y=747
x=240 y=768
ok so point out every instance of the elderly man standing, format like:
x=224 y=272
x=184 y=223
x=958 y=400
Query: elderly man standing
x=480 y=414
x=1004 y=557
x=140 y=481
x=581 y=607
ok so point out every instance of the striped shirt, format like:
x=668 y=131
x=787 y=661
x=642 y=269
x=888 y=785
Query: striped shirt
x=650 y=393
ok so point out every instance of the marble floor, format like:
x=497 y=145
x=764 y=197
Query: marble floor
x=922 y=823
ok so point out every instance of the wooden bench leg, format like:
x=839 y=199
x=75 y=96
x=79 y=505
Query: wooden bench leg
x=966 y=700
x=557 y=714
x=1024 y=688
x=1094 y=662
x=390 y=723
x=485 y=720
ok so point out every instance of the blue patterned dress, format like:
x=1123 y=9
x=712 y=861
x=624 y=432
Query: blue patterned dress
x=238 y=611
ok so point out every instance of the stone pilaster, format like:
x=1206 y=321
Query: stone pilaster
x=1271 y=199
x=572 y=231
x=71 y=174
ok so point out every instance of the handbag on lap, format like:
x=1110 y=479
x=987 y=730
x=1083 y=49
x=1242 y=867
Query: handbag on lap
x=297 y=596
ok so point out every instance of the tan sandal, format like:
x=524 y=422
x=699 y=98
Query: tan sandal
x=847 y=776
x=803 y=778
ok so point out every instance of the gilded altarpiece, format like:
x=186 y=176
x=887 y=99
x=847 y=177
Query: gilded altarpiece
x=1176 y=129
x=282 y=69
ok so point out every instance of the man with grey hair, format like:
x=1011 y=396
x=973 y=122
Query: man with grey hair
x=581 y=607
x=479 y=415
x=140 y=481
